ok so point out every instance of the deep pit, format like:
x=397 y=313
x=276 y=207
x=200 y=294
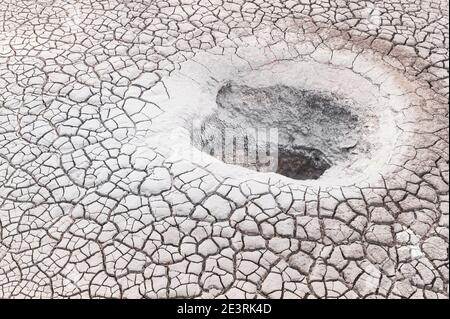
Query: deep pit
x=301 y=163
x=316 y=130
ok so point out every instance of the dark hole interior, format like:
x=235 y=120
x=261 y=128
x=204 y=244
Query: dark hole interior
x=301 y=163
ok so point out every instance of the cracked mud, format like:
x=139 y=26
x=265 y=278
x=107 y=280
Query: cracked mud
x=103 y=196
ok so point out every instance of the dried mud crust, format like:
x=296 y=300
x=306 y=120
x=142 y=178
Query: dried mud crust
x=100 y=196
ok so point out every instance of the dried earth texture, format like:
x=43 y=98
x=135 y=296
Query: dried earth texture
x=101 y=196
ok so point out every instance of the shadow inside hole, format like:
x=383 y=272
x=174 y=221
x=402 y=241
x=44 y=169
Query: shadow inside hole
x=301 y=163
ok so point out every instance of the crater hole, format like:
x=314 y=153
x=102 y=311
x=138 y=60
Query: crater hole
x=315 y=130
